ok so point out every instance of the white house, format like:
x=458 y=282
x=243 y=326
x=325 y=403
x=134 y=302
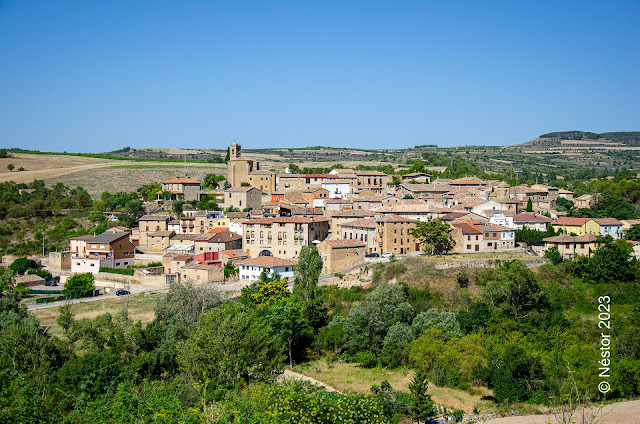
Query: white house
x=532 y=221
x=610 y=227
x=489 y=205
x=338 y=189
x=250 y=269
x=499 y=218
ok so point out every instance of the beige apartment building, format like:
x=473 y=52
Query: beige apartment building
x=362 y=230
x=392 y=234
x=467 y=238
x=151 y=224
x=243 y=197
x=283 y=236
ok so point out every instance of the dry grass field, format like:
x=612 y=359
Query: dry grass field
x=129 y=177
x=141 y=308
x=346 y=377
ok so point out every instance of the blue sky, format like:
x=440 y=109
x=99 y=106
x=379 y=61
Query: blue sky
x=88 y=76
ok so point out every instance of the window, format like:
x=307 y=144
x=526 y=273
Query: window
x=477 y=238
x=477 y=248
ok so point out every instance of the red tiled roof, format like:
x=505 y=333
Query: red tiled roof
x=530 y=217
x=361 y=223
x=288 y=219
x=267 y=261
x=221 y=237
x=162 y=234
x=467 y=228
x=235 y=253
x=82 y=237
x=607 y=221
x=570 y=221
x=337 y=244
x=181 y=181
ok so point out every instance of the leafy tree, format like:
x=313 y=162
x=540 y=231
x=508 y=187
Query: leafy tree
x=394 y=350
x=368 y=322
x=554 y=255
x=529 y=207
x=79 y=285
x=422 y=407
x=288 y=321
x=210 y=181
x=444 y=321
x=307 y=273
x=434 y=236
x=533 y=237
x=563 y=205
x=266 y=291
x=132 y=213
x=21 y=265
x=612 y=260
x=518 y=292
x=231 y=345
x=10 y=167
x=230 y=270
x=611 y=205
x=633 y=233
x=227 y=157
x=177 y=207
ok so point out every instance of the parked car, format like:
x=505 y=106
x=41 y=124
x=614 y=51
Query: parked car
x=372 y=255
x=387 y=255
x=122 y=292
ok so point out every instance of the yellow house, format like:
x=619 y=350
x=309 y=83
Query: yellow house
x=575 y=226
x=591 y=227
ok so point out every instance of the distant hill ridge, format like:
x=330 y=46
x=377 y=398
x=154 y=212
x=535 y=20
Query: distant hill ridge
x=560 y=138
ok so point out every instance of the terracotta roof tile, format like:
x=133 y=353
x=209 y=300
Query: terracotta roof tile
x=267 y=261
x=181 y=181
x=337 y=244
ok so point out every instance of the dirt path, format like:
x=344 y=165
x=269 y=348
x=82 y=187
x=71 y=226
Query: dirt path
x=292 y=375
x=616 y=413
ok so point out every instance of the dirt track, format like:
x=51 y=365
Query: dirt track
x=617 y=413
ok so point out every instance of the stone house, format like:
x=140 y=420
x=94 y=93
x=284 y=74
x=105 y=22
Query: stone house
x=283 y=236
x=340 y=255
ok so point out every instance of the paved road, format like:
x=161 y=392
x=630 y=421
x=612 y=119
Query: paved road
x=134 y=288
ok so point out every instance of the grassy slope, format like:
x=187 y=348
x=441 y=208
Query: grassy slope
x=141 y=308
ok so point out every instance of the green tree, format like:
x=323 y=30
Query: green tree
x=79 y=285
x=10 y=167
x=434 y=236
x=266 y=291
x=288 y=321
x=231 y=345
x=132 y=213
x=518 y=292
x=229 y=270
x=368 y=322
x=554 y=255
x=633 y=233
x=177 y=207
x=422 y=407
x=444 y=321
x=529 y=206
x=307 y=273
x=227 y=157
x=612 y=260
x=21 y=265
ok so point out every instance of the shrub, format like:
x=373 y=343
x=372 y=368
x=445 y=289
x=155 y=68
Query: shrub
x=366 y=359
x=463 y=280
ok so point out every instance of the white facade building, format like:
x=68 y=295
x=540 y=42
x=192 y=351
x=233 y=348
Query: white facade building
x=250 y=269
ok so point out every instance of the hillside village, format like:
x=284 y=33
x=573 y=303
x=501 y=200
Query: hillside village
x=353 y=217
